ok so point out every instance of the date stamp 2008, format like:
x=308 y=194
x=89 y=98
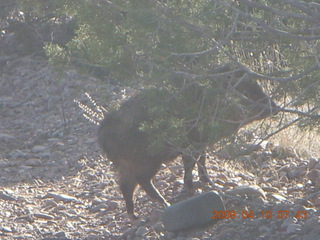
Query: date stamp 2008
x=282 y=214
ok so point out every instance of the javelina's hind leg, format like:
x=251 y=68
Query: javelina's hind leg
x=127 y=187
x=202 y=171
x=149 y=188
x=188 y=164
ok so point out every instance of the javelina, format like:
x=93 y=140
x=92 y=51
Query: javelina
x=137 y=142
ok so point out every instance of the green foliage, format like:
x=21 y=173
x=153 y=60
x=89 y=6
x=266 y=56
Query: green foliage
x=57 y=56
x=169 y=44
x=197 y=113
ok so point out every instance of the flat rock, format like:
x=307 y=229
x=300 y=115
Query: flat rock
x=33 y=162
x=6 y=137
x=247 y=190
x=6 y=197
x=193 y=212
x=38 y=149
x=61 y=197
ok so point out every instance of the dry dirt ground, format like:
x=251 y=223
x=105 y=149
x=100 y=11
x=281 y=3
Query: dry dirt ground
x=54 y=184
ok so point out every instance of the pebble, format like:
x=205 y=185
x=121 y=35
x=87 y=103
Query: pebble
x=277 y=197
x=4 y=163
x=270 y=189
x=247 y=190
x=60 y=197
x=60 y=234
x=50 y=203
x=6 y=138
x=34 y=162
x=6 y=229
x=38 y=149
x=43 y=216
x=6 y=197
x=312 y=163
x=18 y=154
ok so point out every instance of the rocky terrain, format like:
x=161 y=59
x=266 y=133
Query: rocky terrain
x=54 y=183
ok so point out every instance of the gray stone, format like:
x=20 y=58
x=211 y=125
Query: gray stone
x=33 y=162
x=38 y=149
x=6 y=197
x=193 y=212
x=6 y=137
x=18 y=154
x=247 y=190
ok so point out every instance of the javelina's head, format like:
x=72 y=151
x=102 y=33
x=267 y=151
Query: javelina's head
x=254 y=103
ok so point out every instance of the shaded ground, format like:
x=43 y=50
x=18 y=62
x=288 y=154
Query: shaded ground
x=55 y=185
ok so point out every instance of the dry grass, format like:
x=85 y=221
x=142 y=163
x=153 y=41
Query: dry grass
x=306 y=144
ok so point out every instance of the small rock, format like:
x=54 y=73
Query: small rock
x=222 y=176
x=314 y=176
x=277 y=197
x=38 y=149
x=137 y=238
x=60 y=234
x=98 y=208
x=93 y=237
x=6 y=229
x=247 y=190
x=61 y=208
x=18 y=154
x=6 y=138
x=6 y=197
x=43 y=216
x=45 y=154
x=317 y=166
x=312 y=163
x=50 y=203
x=112 y=205
x=61 y=197
x=4 y=163
x=270 y=189
x=33 y=162
x=96 y=201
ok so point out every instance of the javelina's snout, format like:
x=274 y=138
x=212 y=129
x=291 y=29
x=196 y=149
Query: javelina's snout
x=127 y=144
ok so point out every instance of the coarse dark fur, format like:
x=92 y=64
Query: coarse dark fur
x=125 y=144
